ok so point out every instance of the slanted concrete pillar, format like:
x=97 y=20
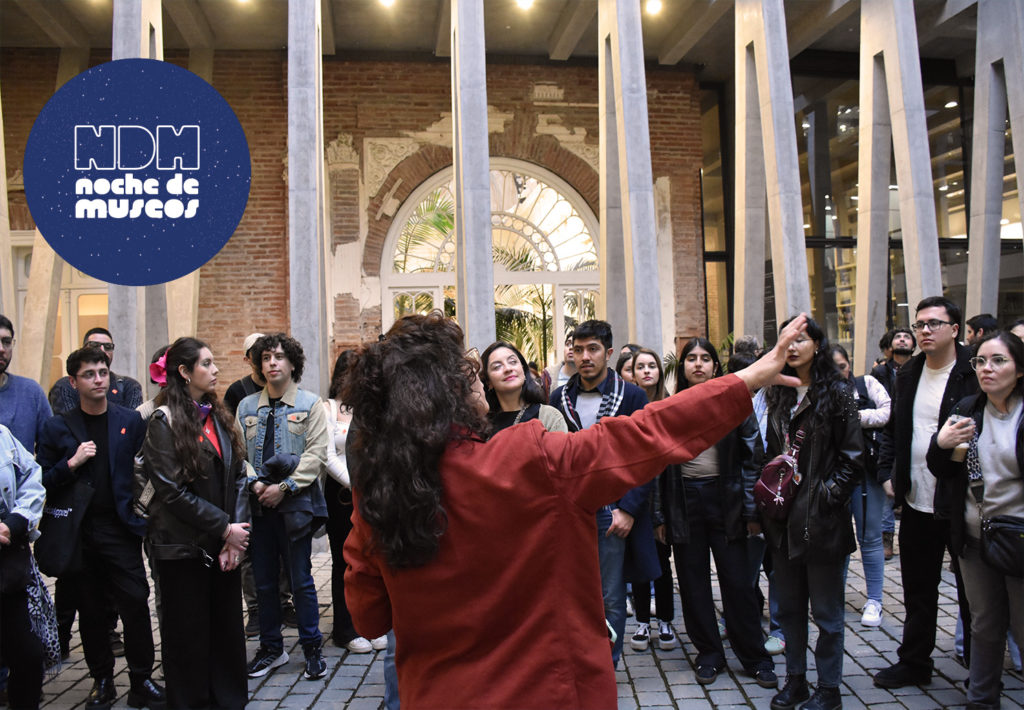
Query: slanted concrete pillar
x=183 y=293
x=766 y=164
x=998 y=84
x=36 y=343
x=891 y=107
x=137 y=316
x=628 y=249
x=473 y=241
x=306 y=243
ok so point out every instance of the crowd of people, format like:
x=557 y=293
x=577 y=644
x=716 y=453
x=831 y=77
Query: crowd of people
x=448 y=482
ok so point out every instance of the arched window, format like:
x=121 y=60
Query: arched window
x=545 y=255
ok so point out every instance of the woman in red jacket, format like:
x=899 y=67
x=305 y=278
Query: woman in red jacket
x=482 y=555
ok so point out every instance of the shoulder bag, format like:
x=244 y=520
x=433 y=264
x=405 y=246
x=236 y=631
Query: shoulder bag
x=780 y=478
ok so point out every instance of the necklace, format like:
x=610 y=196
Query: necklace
x=519 y=417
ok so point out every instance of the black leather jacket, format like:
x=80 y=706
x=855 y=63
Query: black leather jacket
x=819 y=528
x=894 y=457
x=954 y=474
x=183 y=523
x=740 y=457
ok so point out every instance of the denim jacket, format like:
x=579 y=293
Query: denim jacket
x=21 y=487
x=300 y=427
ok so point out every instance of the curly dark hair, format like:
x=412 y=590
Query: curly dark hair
x=185 y=425
x=292 y=349
x=828 y=389
x=411 y=395
x=532 y=392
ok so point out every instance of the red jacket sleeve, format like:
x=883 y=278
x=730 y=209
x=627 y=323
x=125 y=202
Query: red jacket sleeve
x=365 y=594
x=596 y=466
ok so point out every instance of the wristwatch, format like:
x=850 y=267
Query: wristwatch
x=283 y=485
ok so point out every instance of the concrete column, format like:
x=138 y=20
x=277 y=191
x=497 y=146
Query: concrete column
x=306 y=261
x=623 y=108
x=475 y=275
x=183 y=293
x=764 y=94
x=8 y=304
x=890 y=65
x=137 y=316
x=998 y=84
x=873 y=160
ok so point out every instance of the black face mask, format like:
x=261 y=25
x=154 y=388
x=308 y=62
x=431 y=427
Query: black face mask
x=902 y=351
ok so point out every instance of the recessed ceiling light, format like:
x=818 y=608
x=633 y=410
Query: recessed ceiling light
x=943 y=188
x=387 y=3
x=653 y=7
x=807 y=226
x=951 y=104
x=524 y=4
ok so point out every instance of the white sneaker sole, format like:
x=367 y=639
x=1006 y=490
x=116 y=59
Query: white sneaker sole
x=668 y=645
x=871 y=623
x=278 y=662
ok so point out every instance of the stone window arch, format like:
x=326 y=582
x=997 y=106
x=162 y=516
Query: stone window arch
x=545 y=241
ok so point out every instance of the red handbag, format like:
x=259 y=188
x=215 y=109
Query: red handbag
x=777 y=487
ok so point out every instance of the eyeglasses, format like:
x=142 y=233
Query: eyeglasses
x=933 y=324
x=996 y=361
x=108 y=347
x=7 y=343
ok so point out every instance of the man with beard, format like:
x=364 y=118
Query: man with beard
x=901 y=344
x=23 y=406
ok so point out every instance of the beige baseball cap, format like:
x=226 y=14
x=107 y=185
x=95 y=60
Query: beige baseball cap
x=249 y=341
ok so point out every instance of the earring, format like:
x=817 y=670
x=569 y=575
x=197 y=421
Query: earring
x=188 y=380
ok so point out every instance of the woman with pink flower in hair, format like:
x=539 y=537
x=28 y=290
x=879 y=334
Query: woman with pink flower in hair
x=194 y=460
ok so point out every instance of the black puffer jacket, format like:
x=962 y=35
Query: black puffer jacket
x=183 y=522
x=819 y=529
x=740 y=457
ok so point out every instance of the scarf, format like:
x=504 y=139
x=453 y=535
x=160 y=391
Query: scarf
x=610 y=400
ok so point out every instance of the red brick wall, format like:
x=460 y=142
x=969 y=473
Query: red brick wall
x=245 y=287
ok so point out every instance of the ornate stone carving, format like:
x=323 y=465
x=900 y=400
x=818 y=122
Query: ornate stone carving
x=440 y=132
x=341 y=153
x=547 y=92
x=380 y=156
x=572 y=139
x=16 y=182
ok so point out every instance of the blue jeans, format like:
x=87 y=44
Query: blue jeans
x=868 y=502
x=611 y=552
x=390 y=675
x=821 y=585
x=269 y=544
x=888 y=518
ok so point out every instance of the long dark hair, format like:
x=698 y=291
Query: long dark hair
x=338 y=375
x=185 y=425
x=1016 y=349
x=659 y=389
x=532 y=392
x=411 y=396
x=705 y=345
x=827 y=388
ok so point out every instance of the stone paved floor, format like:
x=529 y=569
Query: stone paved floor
x=653 y=679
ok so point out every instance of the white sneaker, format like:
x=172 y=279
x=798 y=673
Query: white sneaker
x=666 y=636
x=774 y=645
x=380 y=643
x=641 y=637
x=872 y=615
x=359 y=645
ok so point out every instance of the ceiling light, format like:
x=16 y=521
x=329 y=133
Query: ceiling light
x=951 y=104
x=894 y=187
x=387 y=3
x=807 y=226
x=943 y=188
x=854 y=198
x=653 y=7
x=524 y=4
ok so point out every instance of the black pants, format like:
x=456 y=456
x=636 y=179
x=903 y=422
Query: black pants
x=662 y=590
x=693 y=564
x=65 y=601
x=112 y=564
x=923 y=543
x=203 y=645
x=339 y=524
x=21 y=651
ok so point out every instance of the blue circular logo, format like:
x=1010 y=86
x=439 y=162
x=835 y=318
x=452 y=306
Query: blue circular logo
x=137 y=172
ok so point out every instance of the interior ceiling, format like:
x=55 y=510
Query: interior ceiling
x=694 y=33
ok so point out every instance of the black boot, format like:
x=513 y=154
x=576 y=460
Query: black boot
x=146 y=694
x=102 y=695
x=824 y=698
x=794 y=692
